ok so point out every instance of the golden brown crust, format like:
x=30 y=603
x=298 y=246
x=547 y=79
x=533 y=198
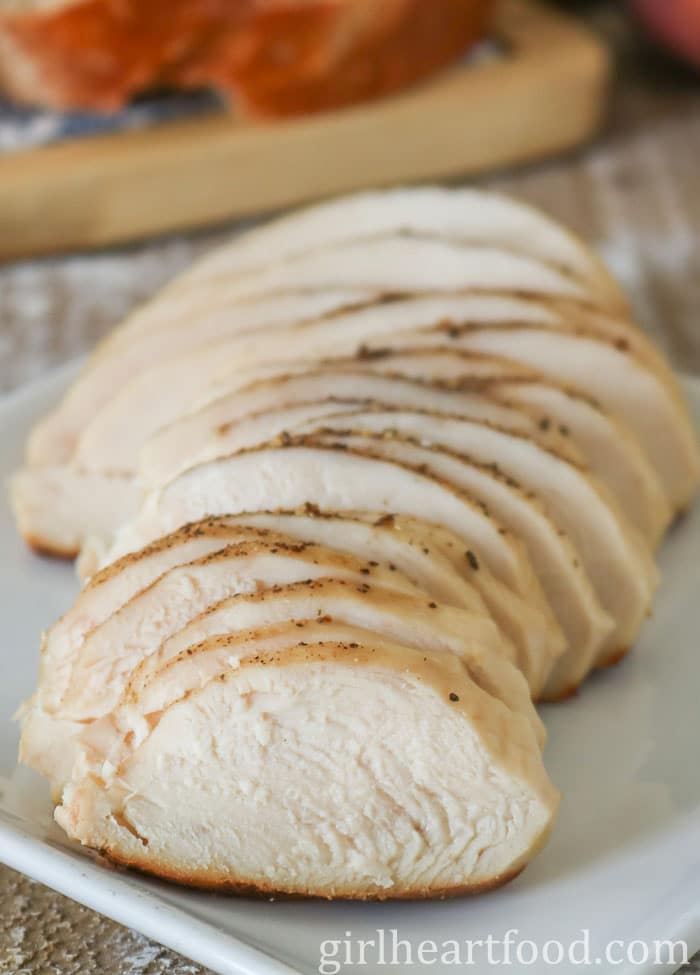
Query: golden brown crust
x=205 y=881
x=558 y=697
x=49 y=549
x=211 y=527
x=613 y=658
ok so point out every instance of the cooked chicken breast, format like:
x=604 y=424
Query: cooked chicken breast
x=435 y=560
x=119 y=581
x=464 y=800
x=82 y=679
x=240 y=419
x=586 y=625
x=431 y=557
x=335 y=479
x=614 y=377
x=350 y=495
x=610 y=449
x=465 y=215
x=198 y=373
x=57 y=508
x=329 y=322
x=99 y=388
x=401 y=264
x=193 y=325
x=615 y=557
x=399 y=617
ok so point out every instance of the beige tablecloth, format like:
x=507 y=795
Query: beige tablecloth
x=635 y=195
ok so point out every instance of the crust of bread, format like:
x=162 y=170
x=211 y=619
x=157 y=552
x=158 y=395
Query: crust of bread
x=97 y=55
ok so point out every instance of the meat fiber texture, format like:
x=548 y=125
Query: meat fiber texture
x=349 y=496
x=273 y=57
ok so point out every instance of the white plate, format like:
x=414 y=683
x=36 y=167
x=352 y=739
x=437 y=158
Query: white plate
x=624 y=860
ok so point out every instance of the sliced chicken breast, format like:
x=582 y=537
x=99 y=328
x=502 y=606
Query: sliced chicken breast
x=192 y=325
x=586 y=625
x=340 y=480
x=351 y=330
x=331 y=478
x=615 y=378
x=611 y=451
x=430 y=556
x=403 y=264
x=435 y=560
x=295 y=325
x=463 y=215
x=298 y=720
x=192 y=375
x=240 y=420
x=400 y=617
x=615 y=557
x=57 y=508
x=327 y=323
x=119 y=581
x=401 y=544
x=86 y=683
x=677 y=451
x=129 y=350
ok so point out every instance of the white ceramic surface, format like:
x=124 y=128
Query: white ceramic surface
x=624 y=860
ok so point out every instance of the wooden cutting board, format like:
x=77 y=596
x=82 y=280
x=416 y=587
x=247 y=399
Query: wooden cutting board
x=541 y=89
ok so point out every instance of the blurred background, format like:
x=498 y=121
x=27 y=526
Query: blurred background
x=121 y=161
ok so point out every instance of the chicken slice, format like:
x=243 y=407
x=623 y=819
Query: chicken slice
x=210 y=336
x=587 y=627
x=117 y=371
x=339 y=480
x=119 y=581
x=241 y=419
x=355 y=768
x=112 y=424
x=436 y=560
x=612 y=553
x=350 y=330
x=616 y=379
x=432 y=558
x=463 y=215
x=611 y=451
x=403 y=264
x=214 y=327
x=111 y=428
x=127 y=351
x=331 y=478
x=85 y=682
x=400 y=617
x=57 y=508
